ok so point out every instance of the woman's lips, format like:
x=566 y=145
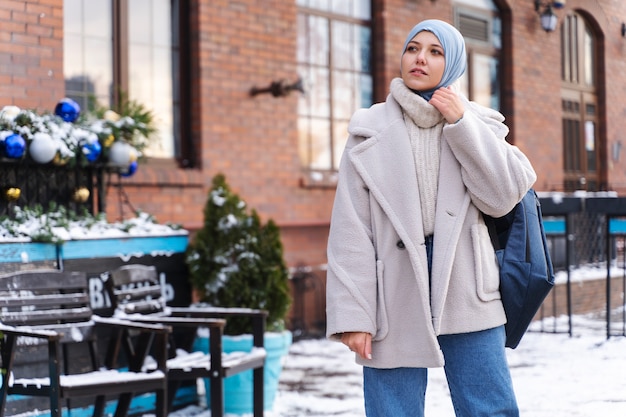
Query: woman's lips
x=418 y=71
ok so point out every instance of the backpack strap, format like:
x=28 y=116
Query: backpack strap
x=493 y=233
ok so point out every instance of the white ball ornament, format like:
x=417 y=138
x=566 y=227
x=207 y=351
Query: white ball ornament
x=42 y=149
x=120 y=154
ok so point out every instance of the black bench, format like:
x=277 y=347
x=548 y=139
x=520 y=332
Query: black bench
x=136 y=294
x=48 y=311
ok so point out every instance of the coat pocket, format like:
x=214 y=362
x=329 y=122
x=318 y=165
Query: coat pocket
x=486 y=268
x=382 y=322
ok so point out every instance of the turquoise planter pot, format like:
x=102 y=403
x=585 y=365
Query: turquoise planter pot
x=238 y=388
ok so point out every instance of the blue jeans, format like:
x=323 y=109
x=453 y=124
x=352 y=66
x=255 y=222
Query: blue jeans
x=477 y=373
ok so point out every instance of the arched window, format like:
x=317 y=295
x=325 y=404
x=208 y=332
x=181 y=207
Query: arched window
x=579 y=102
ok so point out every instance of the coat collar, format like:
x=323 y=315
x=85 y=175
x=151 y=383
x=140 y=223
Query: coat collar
x=393 y=185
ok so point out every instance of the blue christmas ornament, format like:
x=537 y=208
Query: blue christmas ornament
x=132 y=168
x=14 y=146
x=92 y=151
x=67 y=109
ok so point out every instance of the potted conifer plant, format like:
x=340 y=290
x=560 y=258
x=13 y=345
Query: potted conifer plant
x=236 y=261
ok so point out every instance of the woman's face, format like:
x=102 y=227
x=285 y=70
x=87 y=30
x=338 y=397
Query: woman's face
x=423 y=62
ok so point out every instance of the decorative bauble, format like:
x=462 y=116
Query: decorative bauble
x=132 y=168
x=92 y=150
x=81 y=195
x=60 y=160
x=67 y=109
x=42 y=149
x=12 y=193
x=14 y=146
x=9 y=112
x=111 y=116
x=120 y=154
x=108 y=141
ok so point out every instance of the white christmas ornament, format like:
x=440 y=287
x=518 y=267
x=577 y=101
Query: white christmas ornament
x=42 y=149
x=122 y=154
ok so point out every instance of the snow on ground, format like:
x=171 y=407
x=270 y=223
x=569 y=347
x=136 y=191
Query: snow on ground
x=555 y=375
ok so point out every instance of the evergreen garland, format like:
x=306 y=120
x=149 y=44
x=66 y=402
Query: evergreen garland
x=235 y=261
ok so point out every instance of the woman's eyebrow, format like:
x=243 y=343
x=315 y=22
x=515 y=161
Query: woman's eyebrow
x=430 y=44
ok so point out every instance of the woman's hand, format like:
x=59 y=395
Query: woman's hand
x=448 y=103
x=358 y=342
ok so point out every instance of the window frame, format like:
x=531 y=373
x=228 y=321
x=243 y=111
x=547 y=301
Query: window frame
x=181 y=16
x=579 y=172
x=482 y=47
x=326 y=177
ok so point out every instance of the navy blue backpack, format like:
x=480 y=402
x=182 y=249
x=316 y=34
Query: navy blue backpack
x=526 y=271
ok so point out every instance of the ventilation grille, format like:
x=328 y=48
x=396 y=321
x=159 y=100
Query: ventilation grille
x=473 y=27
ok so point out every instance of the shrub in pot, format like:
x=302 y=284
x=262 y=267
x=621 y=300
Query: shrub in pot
x=236 y=261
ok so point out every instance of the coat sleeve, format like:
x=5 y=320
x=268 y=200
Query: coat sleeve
x=351 y=274
x=496 y=174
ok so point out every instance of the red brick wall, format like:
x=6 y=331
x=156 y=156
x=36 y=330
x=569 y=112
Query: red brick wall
x=537 y=89
x=31 y=53
x=610 y=18
x=587 y=296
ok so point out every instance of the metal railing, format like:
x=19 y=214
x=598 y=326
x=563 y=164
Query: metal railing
x=26 y=184
x=587 y=232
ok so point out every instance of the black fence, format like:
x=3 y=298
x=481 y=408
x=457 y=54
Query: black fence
x=25 y=184
x=588 y=232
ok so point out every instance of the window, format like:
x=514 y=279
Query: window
x=481 y=27
x=129 y=47
x=333 y=54
x=579 y=106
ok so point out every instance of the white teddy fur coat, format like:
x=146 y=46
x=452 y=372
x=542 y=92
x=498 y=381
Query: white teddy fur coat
x=377 y=278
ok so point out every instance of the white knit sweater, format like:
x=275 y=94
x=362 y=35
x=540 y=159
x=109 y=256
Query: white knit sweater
x=424 y=124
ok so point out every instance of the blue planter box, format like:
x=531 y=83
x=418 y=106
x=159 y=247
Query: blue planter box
x=124 y=248
x=25 y=252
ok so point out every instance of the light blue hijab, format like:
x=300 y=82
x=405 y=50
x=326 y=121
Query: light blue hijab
x=453 y=48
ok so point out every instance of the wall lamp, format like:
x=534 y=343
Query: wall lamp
x=546 y=16
x=279 y=88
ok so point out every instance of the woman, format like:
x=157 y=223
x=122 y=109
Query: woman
x=412 y=277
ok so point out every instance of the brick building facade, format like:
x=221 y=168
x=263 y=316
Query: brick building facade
x=232 y=46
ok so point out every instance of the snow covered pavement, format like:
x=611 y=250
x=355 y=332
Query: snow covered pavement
x=555 y=375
